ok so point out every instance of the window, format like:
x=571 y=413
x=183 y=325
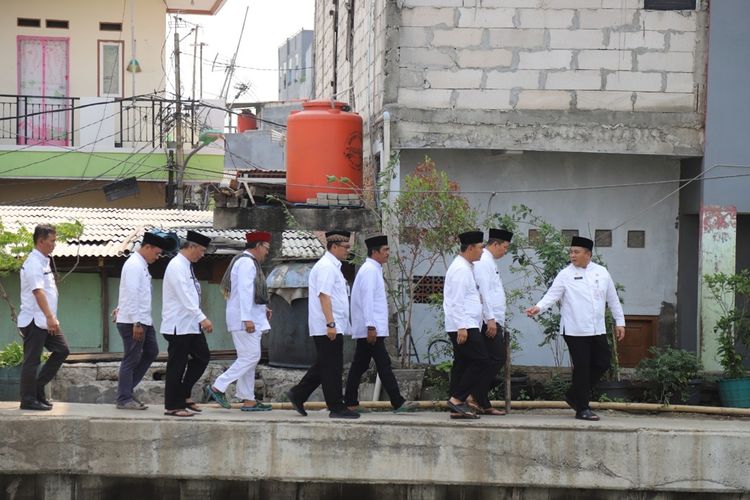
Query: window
x=29 y=23
x=55 y=23
x=636 y=239
x=534 y=237
x=603 y=237
x=110 y=26
x=568 y=234
x=669 y=5
x=110 y=68
x=428 y=287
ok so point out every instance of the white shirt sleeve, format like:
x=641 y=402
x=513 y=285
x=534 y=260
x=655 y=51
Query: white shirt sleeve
x=368 y=298
x=245 y=269
x=35 y=275
x=455 y=299
x=185 y=296
x=554 y=294
x=613 y=301
x=484 y=282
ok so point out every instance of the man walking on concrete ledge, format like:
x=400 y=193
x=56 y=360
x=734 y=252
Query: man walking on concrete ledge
x=582 y=288
x=370 y=328
x=328 y=321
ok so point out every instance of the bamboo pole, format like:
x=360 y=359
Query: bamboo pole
x=537 y=405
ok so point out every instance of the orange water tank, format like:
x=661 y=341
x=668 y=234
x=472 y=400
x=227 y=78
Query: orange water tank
x=246 y=121
x=323 y=139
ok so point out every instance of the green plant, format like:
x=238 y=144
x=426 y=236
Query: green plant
x=11 y=355
x=731 y=292
x=667 y=373
x=555 y=387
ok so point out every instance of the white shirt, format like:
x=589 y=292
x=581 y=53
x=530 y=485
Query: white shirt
x=181 y=306
x=241 y=304
x=326 y=277
x=36 y=274
x=461 y=302
x=134 y=301
x=490 y=288
x=582 y=294
x=369 y=302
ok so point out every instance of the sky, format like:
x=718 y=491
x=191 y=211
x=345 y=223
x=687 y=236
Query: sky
x=269 y=24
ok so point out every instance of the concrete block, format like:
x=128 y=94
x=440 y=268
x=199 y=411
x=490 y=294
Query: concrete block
x=410 y=78
x=483 y=99
x=636 y=40
x=666 y=102
x=605 y=59
x=576 y=39
x=682 y=42
x=605 y=18
x=427 y=16
x=525 y=4
x=680 y=82
x=535 y=18
x=460 y=79
x=426 y=98
x=521 y=38
x=571 y=4
x=548 y=59
x=432 y=3
x=574 y=80
x=512 y=79
x=613 y=101
x=413 y=37
x=424 y=58
x=544 y=99
x=670 y=61
x=633 y=80
x=456 y=37
x=480 y=17
x=468 y=58
x=622 y=4
x=663 y=20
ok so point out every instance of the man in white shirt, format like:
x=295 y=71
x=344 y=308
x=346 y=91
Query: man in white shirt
x=370 y=328
x=328 y=322
x=183 y=325
x=582 y=288
x=462 y=306
x=247 y=318
x=493 y=313
x=134 y=322
x=38 y=322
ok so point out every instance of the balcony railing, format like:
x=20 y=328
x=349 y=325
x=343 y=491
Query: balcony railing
x=74 y=121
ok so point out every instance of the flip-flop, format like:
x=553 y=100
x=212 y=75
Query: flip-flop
x=461 y=408
x=192 y=406
x=257 y=407
x=458 y=416
x=178 y=413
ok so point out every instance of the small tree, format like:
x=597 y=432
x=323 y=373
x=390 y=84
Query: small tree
x=538 y=259
x=15 y=246
x=732 y=294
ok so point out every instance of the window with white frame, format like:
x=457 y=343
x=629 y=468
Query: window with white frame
x=110 y=68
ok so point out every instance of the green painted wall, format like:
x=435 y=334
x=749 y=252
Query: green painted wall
x=145 y=166
x=79 y=311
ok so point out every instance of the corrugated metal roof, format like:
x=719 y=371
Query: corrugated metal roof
x=112 y=232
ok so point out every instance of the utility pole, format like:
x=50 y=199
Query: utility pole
x=179 y=153
x=195 y=55
x=201 y=70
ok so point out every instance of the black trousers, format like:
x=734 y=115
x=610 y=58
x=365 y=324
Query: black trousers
x=363 y=353
x=327 y=371
x=188 y=357
x=496 y=351
x=591 y=358
x=35 y=339
x=472 y=367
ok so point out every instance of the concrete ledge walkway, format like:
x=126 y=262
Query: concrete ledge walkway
x=543 y=448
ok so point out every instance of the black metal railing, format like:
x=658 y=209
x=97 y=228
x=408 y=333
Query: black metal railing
x=40 y=120
x=31 y=119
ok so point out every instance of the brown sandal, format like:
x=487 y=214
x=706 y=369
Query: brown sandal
x=178 y=413
x=192 y=406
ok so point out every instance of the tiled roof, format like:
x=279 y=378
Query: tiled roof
x=111 y=232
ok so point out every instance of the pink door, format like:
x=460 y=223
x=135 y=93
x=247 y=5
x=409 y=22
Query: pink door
x=43 y=90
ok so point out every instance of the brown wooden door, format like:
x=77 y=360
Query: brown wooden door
x=640 y=334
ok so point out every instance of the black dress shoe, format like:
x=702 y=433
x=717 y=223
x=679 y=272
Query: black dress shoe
x=44 y=401
x=345 y=413
x=296 y=403
x=36 y=405
x=587 y=414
